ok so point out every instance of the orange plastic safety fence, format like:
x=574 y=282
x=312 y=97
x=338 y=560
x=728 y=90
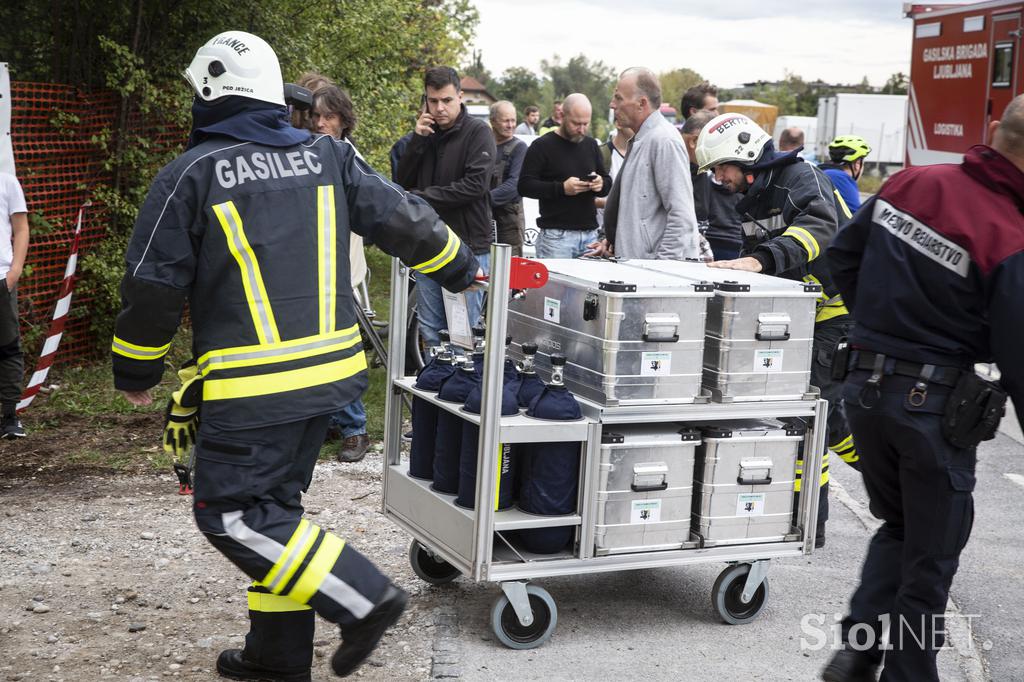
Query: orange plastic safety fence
x=56 y=132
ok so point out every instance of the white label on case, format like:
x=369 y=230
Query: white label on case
x=767 y=360
x=645 y=511
x=655 y=364
x=750 y=504
x=552 y=310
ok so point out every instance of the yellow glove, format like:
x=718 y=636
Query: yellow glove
x=182 y=419
x=180 y=430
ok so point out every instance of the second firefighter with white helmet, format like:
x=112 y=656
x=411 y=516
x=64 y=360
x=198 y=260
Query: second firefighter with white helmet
x=790 y=212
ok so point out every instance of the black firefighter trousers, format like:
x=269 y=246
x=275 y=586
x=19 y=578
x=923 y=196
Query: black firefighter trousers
x=248 y=490
x=921 y=487
x=826 y=336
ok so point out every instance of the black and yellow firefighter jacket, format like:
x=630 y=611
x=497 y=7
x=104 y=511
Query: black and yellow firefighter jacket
x=255 y=238
x=790 y=214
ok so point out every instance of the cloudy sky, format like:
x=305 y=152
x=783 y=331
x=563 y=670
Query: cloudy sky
x=727 y=41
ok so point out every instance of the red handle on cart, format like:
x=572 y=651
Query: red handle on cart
x=524 y=273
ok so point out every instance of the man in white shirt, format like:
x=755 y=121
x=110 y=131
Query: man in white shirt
x=13 y=247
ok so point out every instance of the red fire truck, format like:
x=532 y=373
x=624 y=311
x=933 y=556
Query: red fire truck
x=965 y=68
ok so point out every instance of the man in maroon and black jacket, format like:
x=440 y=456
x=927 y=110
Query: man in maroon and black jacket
x=932 y=270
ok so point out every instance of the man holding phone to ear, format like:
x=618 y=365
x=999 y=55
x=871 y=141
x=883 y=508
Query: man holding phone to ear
x=564 y=169
x=448 y=163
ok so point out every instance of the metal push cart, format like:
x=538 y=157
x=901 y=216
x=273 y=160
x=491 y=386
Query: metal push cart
x=449 y=541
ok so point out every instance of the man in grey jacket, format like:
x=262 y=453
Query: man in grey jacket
x=650 y=211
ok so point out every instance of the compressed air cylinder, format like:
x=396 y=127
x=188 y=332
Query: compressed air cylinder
x=549 y=485
x=506 y=493
x=448 y=437
x=424 y=414
x=530 y=384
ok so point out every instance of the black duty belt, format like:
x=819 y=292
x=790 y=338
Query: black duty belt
x=881 y=366
x=943 y=376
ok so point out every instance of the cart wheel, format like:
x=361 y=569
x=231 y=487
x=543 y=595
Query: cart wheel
x=430 y=568
x=727 y=596
x=514 y=634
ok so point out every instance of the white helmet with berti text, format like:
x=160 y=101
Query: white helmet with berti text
x=730 y=138
x=236 y=63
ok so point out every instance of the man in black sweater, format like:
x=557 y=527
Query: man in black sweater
x=565 y=171
x=448 y=162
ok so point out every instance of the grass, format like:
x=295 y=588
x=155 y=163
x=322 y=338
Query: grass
x=87 y=394
x=870 y=184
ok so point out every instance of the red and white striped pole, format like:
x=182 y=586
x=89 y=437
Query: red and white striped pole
x=60 y=316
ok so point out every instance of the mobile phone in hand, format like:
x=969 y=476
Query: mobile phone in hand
x=592 y=176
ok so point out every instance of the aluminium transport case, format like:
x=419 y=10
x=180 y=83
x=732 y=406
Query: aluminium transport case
x=644 y=488
x=760 y=331
x=743 y=482
x=632 y=337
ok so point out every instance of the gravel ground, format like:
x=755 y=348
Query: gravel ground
x=107 y=578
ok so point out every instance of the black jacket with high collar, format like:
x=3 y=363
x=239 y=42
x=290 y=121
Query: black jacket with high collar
x=452 y=170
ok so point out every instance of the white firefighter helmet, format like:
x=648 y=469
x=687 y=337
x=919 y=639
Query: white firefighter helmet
x=730 y=138
x=236 y=63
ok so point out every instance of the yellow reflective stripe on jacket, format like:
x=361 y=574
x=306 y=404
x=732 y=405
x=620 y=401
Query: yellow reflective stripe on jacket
x=280 y=574
x=272 y=603
x=827 y=308
x=806 y=240
x=327 y=256
x=830 y=310
x=252 y=279
x=137 y=352
x=280 y=382
x=283 y=351
x=317 y=569
x=448 y=253
x=842 y=204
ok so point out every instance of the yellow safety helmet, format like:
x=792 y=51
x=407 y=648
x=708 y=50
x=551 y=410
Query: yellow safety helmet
x=848 y=148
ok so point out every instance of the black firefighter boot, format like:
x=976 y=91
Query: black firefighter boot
x=279 y=646
x=360 y=639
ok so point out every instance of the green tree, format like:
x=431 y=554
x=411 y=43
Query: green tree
x=595 y=79
x=897 y=84
x=477 y=70
x=520 y=86
x=675 y=82
x=377 y=50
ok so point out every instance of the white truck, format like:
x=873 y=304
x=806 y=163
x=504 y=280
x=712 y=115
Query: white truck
x=879 y=119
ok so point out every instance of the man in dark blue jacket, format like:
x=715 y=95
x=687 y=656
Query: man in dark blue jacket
x=250 y=226
x=932 y=270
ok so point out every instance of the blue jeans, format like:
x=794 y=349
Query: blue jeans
x=351 y=419
x=430 y=304
x=554 y=243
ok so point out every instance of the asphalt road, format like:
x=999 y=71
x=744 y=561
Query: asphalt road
x=660 y=624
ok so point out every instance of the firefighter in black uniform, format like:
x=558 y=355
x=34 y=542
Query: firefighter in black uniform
x=790 y=213
x=251 y=227
x=932 y=268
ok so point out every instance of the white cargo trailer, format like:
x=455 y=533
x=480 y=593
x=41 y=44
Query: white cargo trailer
x=879 y=119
